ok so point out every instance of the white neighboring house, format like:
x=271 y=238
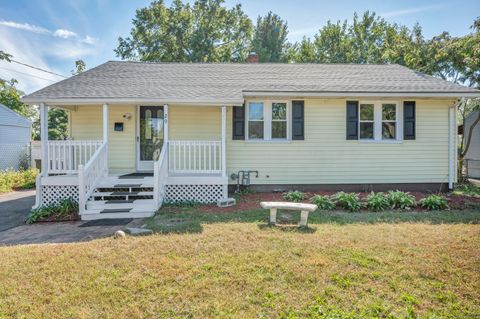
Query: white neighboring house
x=15 y=136
x=472 y=157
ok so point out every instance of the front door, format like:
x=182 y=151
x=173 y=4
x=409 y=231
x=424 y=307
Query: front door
x=149 y=136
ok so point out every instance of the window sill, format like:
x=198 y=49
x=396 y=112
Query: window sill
x=268 y=141
x=380 y=141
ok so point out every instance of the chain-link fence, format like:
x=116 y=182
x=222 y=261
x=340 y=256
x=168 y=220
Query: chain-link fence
x=14 y=156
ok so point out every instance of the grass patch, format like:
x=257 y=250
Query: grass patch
x=354 y=265
x=23 y=179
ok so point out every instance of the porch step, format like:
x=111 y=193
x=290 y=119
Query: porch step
x=134 y=203
x=113 y=181
x=134 y=213
x=121 y=195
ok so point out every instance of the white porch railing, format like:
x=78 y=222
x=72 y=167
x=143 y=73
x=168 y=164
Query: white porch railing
x=64 y=157
x=90 y=175
x=160 y=175
x=195 y=157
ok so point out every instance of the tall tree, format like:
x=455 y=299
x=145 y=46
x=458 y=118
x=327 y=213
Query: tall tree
x=203 y=32
x=270 y=38
x=332 y=43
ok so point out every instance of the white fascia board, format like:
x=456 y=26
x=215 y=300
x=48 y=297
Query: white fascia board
x=403 y=95
x=83 y=101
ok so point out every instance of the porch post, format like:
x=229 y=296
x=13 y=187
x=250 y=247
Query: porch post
x=165 y=124
x=224 y=140
x=105 y=134
x=44 y=137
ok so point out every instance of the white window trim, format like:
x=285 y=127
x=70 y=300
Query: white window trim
x=377 y=126
x=267 y=121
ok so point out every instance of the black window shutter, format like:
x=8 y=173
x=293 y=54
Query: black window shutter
x=298 y=120
x=352 y=120
x=238 y=127
x=409 y=120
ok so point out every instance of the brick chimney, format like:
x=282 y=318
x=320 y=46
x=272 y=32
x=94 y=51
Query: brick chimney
x=252 y=57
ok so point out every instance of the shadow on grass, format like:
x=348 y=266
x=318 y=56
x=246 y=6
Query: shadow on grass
x=288 y=228
x=191 y=220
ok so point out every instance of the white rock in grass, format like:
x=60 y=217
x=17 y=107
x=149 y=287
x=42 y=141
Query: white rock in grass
x=119 y=234
x=138 y=231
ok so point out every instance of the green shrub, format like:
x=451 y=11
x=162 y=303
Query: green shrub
x=323 y=202
x=10 y=180
x=348 y=201
x=434 y=202
x=467 y=189
x=62 y=210
x=294 y=196
x=398 y=199
x=377 y=202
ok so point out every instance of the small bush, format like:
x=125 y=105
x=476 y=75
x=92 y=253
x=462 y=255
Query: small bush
x=294 y=196
x=323 y=202
x=434 y=202
x=348 y=201
x=467 y=189
x=398 y=199
x=10 y=180
x=61 y=211
x=377 y=202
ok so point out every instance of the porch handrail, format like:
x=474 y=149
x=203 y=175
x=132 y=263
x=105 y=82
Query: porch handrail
x=160 y=175
x=197 y=157
x=90 y=175
x=64 y=157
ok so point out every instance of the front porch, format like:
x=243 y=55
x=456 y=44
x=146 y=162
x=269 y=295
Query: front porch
x=182 y=170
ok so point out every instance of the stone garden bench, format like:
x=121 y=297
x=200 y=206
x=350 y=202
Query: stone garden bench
x=302 y=207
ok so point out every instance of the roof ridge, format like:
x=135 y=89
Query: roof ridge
x=247 y=63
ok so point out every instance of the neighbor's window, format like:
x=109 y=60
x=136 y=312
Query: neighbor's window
x=389 y=121
x=279 y=120
x=367 y=121
x=255 y=120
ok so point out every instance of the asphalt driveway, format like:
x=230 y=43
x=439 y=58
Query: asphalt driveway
x=14 y=207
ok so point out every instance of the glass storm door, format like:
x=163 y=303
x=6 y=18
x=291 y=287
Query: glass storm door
x=149 y=136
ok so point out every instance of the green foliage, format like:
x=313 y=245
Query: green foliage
x=270 y=38
x=468 y=189
x=203 y=32
x=185 y=204
x=348 y=201
x=10 y=180
x=323 y=202
x=434 y=202
x=10 y=97
x=401 y=200
x=377 y=202
x=64 y=209
x=294 y=196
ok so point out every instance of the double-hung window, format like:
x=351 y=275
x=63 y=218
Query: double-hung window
x=256 y=121
x=379 y=121
x=268 y=120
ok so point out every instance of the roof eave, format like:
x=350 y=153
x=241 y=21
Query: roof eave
x=362 y=94
x=85 y=101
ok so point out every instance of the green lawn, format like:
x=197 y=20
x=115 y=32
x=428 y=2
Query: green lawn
x=233 y=265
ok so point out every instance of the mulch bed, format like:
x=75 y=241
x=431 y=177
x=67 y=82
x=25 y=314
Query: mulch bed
x=74 y=216
x=252 y=201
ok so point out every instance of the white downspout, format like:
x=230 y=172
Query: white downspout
x=451 y=147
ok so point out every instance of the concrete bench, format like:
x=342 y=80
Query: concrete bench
x=303 y=208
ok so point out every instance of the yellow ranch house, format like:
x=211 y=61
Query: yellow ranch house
x=142 y=134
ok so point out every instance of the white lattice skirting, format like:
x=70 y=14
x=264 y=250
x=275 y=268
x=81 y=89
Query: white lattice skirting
x=52 y=194
x=199 y=193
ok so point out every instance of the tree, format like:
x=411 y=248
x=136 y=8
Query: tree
x=270 y=38
x=80 y=66
x=332 y=43
x=203 y=32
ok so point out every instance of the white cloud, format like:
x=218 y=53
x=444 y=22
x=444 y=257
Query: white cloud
x=24 y=26
x=89 y=40
x=403 y=12
x=65 y=34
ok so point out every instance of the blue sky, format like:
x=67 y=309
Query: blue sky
x=53 y=34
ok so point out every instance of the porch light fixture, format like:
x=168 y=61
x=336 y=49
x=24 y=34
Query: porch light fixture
x=127 y=116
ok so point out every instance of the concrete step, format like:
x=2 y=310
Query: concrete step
x=118 y=204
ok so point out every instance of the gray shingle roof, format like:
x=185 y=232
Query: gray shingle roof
x=230 y=82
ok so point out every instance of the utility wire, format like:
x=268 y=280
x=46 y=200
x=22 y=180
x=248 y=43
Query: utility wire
x=36 y=68
x=38 y=77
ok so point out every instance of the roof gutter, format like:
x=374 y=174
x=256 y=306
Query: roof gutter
x=85 y=101
x=362 y=94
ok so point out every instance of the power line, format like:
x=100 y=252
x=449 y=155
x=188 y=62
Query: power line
x=35 y=76
x=37 y=68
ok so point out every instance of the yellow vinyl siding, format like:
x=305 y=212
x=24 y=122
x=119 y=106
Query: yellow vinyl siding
x=195 y=122
x=326 y=157
x=87 y=124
